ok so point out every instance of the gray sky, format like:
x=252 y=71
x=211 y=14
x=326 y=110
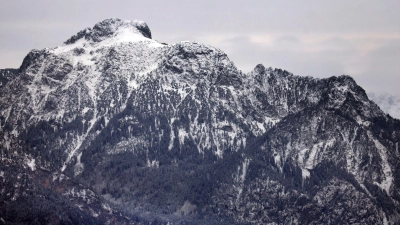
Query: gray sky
x=319 y=38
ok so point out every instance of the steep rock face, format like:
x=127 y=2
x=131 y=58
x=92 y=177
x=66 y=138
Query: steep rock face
x=330 y=151
x=176 y=133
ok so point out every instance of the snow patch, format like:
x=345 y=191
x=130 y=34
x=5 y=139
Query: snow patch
x=153 y=164
x=245 y=166
x=387 y=171
x=311 y=160
x=385 y=222
x=86 y=52
x=277 y=159
x=182 y=134
x=271 y=120
x=85 y=110
x=31 y=163
x=187 y=209
x=305 y=173
x=132 y=144
x=241 y=177
x=172 y=135
x=133 y=84
x=307 y=159
x=261 y=127
x=219 y=153
x=78 y=168
x=106 y=207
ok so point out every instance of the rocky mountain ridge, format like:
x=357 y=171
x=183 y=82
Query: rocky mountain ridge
x=122 y=129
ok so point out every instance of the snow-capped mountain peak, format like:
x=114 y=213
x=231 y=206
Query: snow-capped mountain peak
x=178 y=131
x=110 y=28
x=107 y=33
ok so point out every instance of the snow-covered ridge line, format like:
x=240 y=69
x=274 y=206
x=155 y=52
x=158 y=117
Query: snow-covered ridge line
x=87 y=45
x=110 y=27
x=112 y=103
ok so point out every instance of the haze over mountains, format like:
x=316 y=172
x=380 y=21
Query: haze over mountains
x=116 y=128
x=388 y=103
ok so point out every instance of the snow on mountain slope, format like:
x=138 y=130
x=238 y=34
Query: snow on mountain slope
x=169 y=130
x=97 y=71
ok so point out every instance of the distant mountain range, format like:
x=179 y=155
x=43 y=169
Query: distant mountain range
x=114 y=127
x=388 y=103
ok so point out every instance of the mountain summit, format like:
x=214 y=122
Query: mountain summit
x=113 y=127
x=112 y=28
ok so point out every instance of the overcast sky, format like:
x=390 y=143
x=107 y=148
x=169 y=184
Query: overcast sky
x=319 y=38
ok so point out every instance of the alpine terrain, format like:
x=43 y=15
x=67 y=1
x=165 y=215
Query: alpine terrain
x=114 y=127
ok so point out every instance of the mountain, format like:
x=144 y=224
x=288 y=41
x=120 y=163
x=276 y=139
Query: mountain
x=388 y=103
x=113 y=127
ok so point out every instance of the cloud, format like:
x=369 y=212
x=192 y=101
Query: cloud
x=34 y=25
x=381 y=71
x=318 y=38
x=291 y=40
x=372 y=59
